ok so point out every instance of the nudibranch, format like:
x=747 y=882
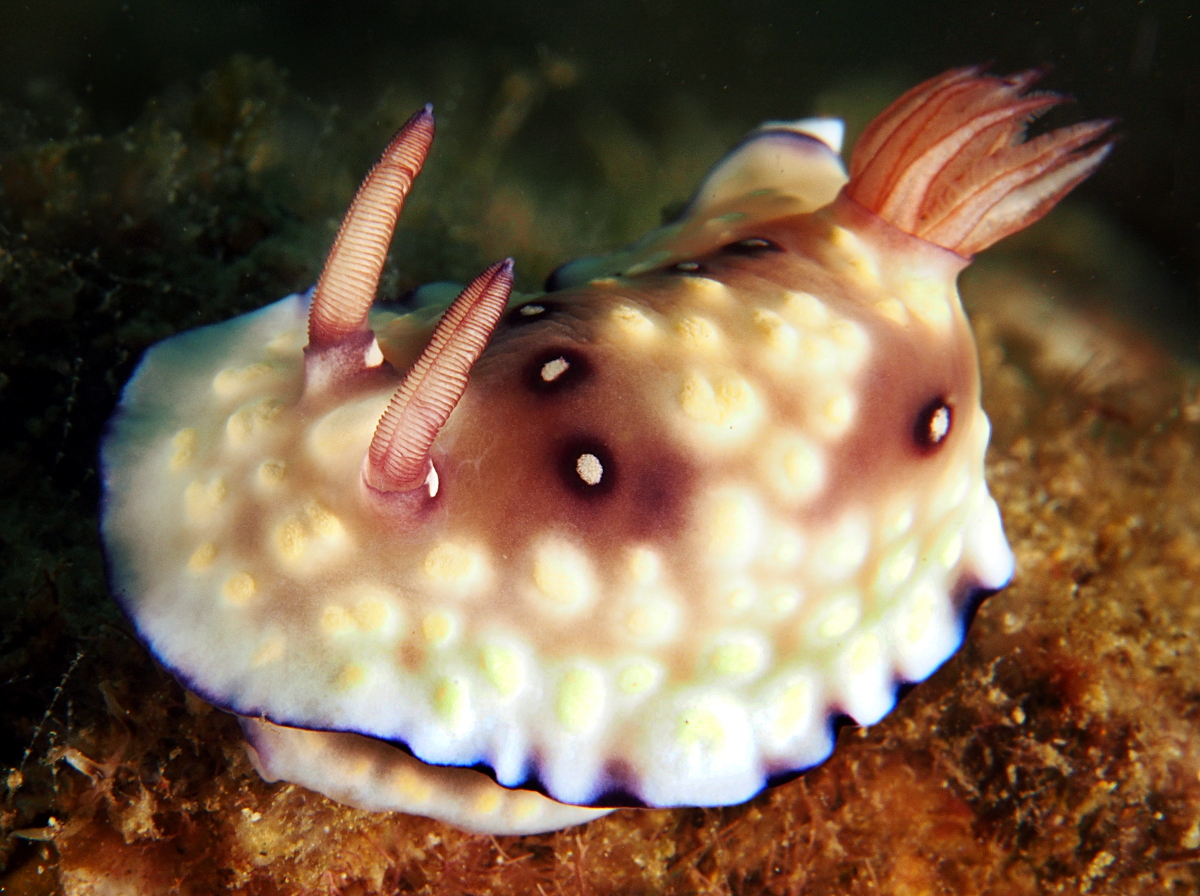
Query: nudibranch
x=640 y=539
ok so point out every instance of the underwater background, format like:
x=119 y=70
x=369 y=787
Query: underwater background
x=165 y=165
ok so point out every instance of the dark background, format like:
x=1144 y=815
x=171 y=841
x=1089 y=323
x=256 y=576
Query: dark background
x=746 y=61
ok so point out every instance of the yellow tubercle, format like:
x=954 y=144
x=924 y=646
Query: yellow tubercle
x=929 y=299
x=503 y=667
x=272 y=472
x=352 y=675
x=805 y=310
x=271 y=650
x=697 y=334
x=239 y=588
x=452 y=563
x=562 y=575
x=632 y=323
x=439 y=627
x=487 y=802
x=183 y=448
x=203 y=498
x=203 y=557
x=793 y=709
x=644 y=565
x=839 y=617
x=728 y=403
x=740 y=656
x=452 y=702
x=865 y=653
x=638 y=678
x=856 y=256
x=580 y=699
x=701 y=728
x=233 y=380
x=252 y=419
x=411 y=785
x=336 y=620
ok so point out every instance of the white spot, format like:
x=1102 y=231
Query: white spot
x=373 y=356
x=939 y=425
x=552 y=370
x=589 y=468
x=531 y=310
x=432 y=481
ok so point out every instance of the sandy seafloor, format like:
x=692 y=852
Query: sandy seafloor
x=163 y=167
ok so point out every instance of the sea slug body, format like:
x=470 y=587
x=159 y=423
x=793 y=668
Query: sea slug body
x=636 y=540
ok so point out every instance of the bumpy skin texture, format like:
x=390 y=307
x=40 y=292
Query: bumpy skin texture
x=703 y=496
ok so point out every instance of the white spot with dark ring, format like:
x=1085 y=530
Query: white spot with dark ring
x=589 y=468
x=552 y=370
x=939 y=425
